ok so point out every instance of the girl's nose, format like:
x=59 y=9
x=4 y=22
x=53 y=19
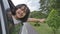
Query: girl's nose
x=21 y=11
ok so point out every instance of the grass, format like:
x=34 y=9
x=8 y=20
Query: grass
x=43 y=28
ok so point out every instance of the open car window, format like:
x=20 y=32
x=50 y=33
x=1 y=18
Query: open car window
x=7 y=26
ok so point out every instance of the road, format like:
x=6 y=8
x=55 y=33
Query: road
x=28 y=29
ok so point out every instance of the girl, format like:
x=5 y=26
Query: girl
x=17 y=16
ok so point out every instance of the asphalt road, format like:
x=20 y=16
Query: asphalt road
x=28 y=29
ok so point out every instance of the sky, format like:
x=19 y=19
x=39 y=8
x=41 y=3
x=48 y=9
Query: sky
x=32 y=4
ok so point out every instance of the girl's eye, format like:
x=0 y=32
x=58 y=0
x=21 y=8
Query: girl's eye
x=22 y=9
x=18 y=13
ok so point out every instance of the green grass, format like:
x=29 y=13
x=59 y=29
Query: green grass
x=43 y=28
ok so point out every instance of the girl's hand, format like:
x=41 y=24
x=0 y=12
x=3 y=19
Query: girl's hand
x=41 y=20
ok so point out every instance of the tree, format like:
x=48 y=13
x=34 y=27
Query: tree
x=53 y=20
x=53 y=11
x=45 y=6
x=37 y=14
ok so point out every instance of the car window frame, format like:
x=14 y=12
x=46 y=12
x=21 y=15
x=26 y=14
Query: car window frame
x=3 y=7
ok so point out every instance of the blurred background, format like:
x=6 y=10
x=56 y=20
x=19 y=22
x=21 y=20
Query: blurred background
x=44 y=9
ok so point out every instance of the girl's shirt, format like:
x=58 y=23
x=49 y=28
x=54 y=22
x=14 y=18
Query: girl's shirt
x=15 y=20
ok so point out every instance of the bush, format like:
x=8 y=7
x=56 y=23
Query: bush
x=53 y=20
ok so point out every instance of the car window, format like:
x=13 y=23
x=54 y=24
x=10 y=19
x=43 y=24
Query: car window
x=3 y=20
x=13 y=29
x=8 y=21
x=8 y=26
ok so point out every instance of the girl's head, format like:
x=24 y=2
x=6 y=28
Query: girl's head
x=21 y=12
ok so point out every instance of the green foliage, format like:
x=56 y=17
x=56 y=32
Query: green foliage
x=45 y=6
x=53 y=20
x=37 y=14
x=52 y=7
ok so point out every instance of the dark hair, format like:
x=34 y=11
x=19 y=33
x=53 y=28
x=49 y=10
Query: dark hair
x=24 y=19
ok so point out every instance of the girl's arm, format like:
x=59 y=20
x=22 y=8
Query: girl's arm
x=35 y=20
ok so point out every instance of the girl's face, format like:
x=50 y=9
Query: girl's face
x=21 y=12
